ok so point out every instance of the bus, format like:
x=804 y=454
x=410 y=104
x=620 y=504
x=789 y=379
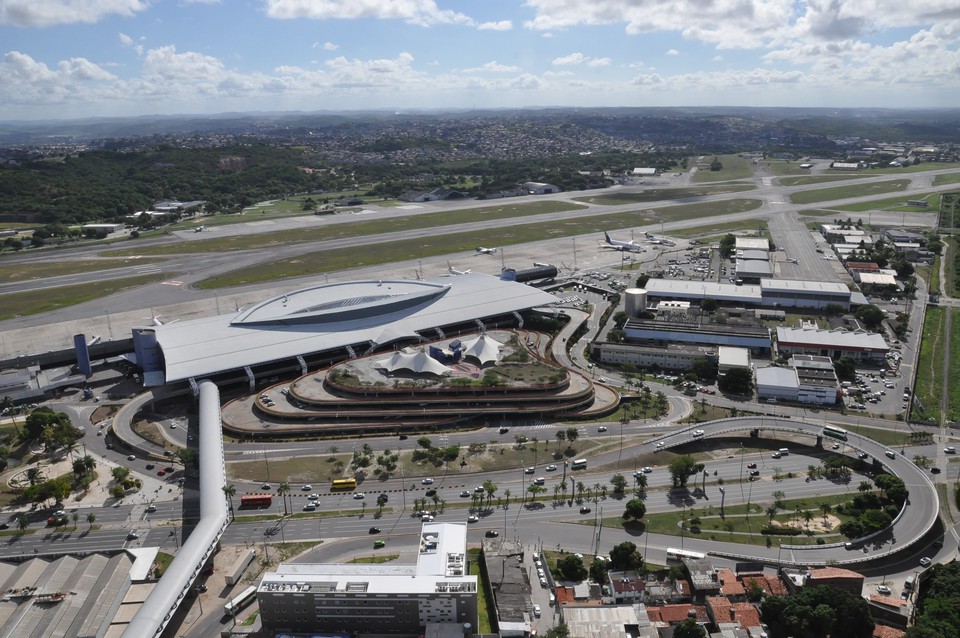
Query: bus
x=246 y=597
x=579 y=464
x=256 y=500
x=343 y=484
x=834 y=432
x=680 y=554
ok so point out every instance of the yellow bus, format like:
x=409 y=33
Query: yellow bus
x=344 y=484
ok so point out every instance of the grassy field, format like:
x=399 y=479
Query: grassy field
x=953 y=389
x=484 y=603
x=734 y=167
x=804 y=180
x=740 y=524
x=715 y=232
x=950 y=248
x=11 y=273
x=359 y=229
x=949 y=178
x=661 y=194
x=896 y=204
x=929 y=384
x=373 y=560
x=844 y=192
x=916 y=168
x=891 y=438
x=20 y=304
x=785 y=168
x=436 y=244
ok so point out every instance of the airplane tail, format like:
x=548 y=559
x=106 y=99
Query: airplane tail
x=607 y=235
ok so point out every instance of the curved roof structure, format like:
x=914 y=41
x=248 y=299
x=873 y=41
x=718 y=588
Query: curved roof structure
x=484 y=348
x=415 y=361
x=331 y=316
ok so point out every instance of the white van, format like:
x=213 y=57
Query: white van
x=784 y=451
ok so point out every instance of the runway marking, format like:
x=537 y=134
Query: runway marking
x=172 y=282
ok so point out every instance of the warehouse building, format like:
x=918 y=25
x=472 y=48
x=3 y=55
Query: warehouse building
x=859 y=345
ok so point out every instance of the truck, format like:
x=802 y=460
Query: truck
x=235 y=571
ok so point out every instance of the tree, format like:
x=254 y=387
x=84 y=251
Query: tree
x=283 y=490
x=682 y=467
x=846 y=368
x=709 y=304
x=598 y=570
x=230 y=491
x=870 y=315
x=558 y=631
x=634 y=509
x=619 y=483
x=572 y=435
x=689 y=628
x=705 y=369
x=817 y=611
x=561 y=437
x=382 y=500
x=736 y=381
x=91 y=519
x=570 y=567
x=625 y=556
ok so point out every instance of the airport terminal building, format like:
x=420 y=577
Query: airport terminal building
x=316 y=326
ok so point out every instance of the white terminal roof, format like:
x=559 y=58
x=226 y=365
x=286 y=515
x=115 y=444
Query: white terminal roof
x=331 y=316
x=753 y=254
x=777 y=377
x=752 y=243
x=754 y=267
x=877 y=279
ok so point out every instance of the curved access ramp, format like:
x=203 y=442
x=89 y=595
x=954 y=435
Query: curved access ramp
x=162 y=603
x=915 y=519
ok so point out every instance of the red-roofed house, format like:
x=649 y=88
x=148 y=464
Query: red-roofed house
x=666 y=615
x=844 y=579
x=771 y=585
x=885 y=631
x=731 y=587
x=722 y=611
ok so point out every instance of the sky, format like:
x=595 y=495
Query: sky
x=64 y=59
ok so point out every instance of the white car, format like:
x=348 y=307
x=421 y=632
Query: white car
x=883 y=589
x=359 y=496
x=551 y=468
x=309 y=507
x=602 y=428
x=306 y=488
x=698 y=433
x=473 y=519
x=950 y=450
x=427 y=481
x=530 y=470
x=536 y=611
x=132 y=457
x=925 y=562
x=314 y=497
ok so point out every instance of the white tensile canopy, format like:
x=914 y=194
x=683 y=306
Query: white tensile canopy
x=483 y=348
x=415 y=361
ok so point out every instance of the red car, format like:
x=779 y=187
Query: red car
x=752 y=466
x=161 y=473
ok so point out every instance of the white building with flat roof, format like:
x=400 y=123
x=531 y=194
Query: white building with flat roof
x=860 y=345
x=387 y=598
x=752 y=243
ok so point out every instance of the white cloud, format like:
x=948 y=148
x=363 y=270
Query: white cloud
x=419 y=12
x=672 y=52
x=125 y=40
x=598 y=62
x=201 y=1
x=573 y=58
x=718 y=58
x=45 y=13
x=169 y=65
x=493 y=67
x=502 y=25
x=326 y=46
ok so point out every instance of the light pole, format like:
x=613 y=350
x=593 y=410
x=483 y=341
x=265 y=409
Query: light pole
x=109 y=325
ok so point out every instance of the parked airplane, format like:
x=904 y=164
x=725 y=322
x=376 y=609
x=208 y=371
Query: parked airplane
x=199 y=229
x=485 y=251
x=93 y=340
x=793 y=260
x=616 y=244
x=653 y=239
x=454 y=271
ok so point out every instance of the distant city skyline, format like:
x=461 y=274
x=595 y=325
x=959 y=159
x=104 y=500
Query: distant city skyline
x=63 y=59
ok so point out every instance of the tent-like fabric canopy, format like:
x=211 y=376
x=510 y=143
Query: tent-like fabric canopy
x=483 y=348
x=415 y=361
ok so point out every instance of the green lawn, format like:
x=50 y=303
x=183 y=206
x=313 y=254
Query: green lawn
x=950 y=247
x=844 y=192
x=715 y=232
x=485 y=605
x=896 y=204
x=929 y=383
x=734 y=167
x=439 y=244
x=373 y=560
x=20 y=304
x=10 y=273
x=949 y=178
x=738 y=524
x=953 y=389
x=785 y=168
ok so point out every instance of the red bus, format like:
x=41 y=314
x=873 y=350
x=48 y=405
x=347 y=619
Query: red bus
x=256 y=500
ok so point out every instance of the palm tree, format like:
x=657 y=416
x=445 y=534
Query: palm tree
x=381 y=501
x=825 y=508
x=34 y=475
x=76 y=517
x=91 y=518
x=506 y=495
x=865 y=486
x=230 y=492
x=283 y=490
x=596 y=491
x=580 y=488
x=771 y=512
x=807 y=516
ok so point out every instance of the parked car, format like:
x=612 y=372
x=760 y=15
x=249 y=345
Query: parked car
x=925 y=562
x=884 y=590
